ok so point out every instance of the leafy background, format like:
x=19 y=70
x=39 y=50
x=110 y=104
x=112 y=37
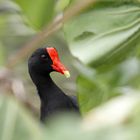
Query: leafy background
x=98 y=41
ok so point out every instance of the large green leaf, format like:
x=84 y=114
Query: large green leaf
x=38 y=12
x=104 y=34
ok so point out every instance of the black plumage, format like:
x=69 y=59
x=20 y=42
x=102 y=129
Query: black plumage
x=53 y=99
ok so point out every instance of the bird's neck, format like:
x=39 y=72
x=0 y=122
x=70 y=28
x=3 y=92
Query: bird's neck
x=47 y=90
x=45 y=86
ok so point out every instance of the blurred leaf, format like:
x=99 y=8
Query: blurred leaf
x=62 y=4
x=120 y=108
x=92 y=93
x=16 y=123
x=101 y=35
x=2 y=54
x=11 y=22
x=39 y=12
x=95 y=88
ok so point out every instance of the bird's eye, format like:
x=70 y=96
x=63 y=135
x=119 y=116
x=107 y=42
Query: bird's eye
x=44 y=57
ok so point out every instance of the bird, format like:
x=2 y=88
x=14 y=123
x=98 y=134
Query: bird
x=53 y=100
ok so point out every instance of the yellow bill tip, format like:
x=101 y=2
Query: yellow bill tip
x=67 y=74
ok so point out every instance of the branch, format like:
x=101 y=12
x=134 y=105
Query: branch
x=47 y=32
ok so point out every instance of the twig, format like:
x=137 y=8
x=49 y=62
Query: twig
x=47 y=32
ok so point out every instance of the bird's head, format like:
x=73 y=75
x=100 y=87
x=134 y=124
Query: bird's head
x=46 y=60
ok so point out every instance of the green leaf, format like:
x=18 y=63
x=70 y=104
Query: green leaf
x=94 y=88
x=102 y=36
x=92 y=93
x=39 y=12
x=16 y=123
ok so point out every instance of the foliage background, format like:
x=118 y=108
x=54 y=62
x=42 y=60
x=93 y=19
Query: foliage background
x=98 y=41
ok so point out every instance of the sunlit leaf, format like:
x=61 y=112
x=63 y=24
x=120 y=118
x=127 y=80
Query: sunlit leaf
x=114 y=112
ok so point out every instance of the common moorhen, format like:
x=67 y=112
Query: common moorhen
x=53 y=100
